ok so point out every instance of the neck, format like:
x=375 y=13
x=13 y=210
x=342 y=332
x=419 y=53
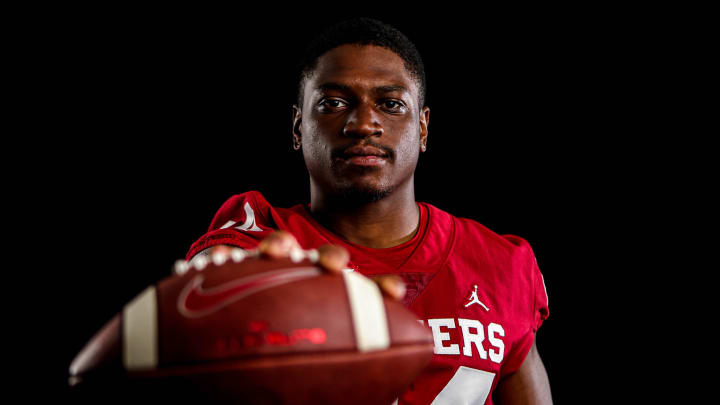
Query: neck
x=388 y=222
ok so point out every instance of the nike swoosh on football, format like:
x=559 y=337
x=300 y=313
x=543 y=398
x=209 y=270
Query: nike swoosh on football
x=194 y=301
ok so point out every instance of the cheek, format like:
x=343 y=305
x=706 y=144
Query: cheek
x=408 y=150
x=318 y=156
x=316 y=150
x=314 y=153
x=409 y=157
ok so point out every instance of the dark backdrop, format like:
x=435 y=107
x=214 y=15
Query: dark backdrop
x=156 y=121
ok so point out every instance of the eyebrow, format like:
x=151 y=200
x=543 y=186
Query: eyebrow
x=378 y=90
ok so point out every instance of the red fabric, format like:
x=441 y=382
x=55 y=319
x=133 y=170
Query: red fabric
x=393 y=257
x=441 y=265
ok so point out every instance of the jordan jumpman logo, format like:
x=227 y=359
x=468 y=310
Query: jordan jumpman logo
x=474 y=300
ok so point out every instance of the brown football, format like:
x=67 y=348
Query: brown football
x=240 y=328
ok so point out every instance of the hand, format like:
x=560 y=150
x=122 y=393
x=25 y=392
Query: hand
x=331 y=258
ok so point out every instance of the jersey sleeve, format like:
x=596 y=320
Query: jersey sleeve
x=535 y=297
x=242 y=221
x=541 y=309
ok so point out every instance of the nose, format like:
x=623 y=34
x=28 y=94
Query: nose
x=362 y=122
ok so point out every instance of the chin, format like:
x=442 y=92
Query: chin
x=364 y=194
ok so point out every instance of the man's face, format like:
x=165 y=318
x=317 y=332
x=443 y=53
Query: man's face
x=360 y=127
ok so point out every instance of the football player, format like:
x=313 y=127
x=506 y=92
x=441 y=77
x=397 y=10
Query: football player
x=361 y=123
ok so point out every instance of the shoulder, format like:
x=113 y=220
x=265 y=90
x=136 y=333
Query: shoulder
x=253 y=198
x=242 y=221
x=473 y=234
x=248 y=196
x=250 y=209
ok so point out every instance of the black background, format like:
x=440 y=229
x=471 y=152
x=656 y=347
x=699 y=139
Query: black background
x=536 y=129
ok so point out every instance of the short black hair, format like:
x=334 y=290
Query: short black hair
x=362 y=31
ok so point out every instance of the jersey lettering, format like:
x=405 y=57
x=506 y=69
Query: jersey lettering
x=439 y=337
x=496 y=356
x=470 y=338
x=473 y=336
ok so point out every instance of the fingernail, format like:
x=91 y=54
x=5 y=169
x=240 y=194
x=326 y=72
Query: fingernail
x=333 y=260
x=282 y=244
x=400 y=290
x=394 y=287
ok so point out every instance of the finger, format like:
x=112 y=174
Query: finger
x=278 y=244
x=220 y=249
x=333 y=258
x=392 y=285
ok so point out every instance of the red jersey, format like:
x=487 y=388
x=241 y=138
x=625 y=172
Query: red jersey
x=481 y=294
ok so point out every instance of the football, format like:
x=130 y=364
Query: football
x=241 y=328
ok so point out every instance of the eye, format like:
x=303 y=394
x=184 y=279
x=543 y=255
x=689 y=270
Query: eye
x=393 y=105
x=331 y=105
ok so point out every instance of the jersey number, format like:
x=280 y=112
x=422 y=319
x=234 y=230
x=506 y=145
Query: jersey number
x=468 y=386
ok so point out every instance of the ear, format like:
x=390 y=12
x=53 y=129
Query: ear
x=297 y=121
x=424 y=122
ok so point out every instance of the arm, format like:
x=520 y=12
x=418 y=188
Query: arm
x=528 y=386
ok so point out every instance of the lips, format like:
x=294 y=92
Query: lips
x=364 y=151
x=364 y=156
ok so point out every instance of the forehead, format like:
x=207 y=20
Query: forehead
x=361 y=66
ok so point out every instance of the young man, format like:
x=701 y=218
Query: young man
x=361 y=123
